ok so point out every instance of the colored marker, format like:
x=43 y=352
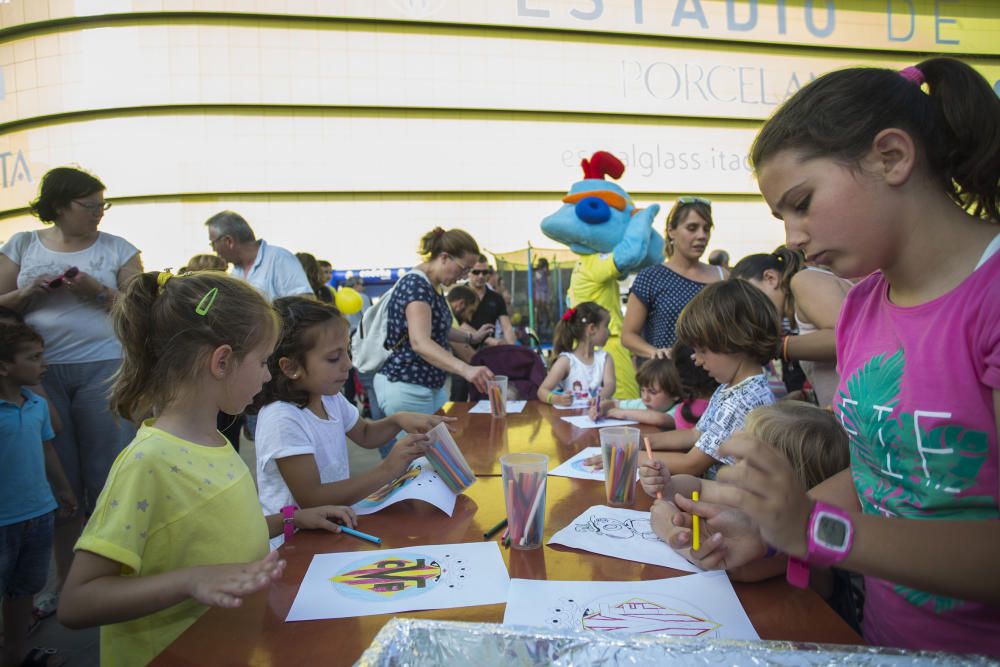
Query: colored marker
x=649 y=453
x=363 y=536
x=495 y=529
x=694 y=523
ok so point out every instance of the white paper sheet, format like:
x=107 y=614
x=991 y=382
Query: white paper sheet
x=620 y=533
x=419 y=482
x=584 y=421
x=483 y=407
x=699 y=605
x=576 y=468
x=578 y=404
x=365 y=583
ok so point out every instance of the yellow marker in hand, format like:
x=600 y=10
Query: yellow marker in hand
x=694 y=523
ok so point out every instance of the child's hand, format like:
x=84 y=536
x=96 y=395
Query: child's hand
x=562 y=399
x=615 y=413
x=606 y=408
x=414 y=422
x=67 y=502
x=661 y=518
x=729 y=538
x=763 y=484
x=654 y=477
x=406 y=449
x=225 y=585
x=596 y=462
x=324 y=517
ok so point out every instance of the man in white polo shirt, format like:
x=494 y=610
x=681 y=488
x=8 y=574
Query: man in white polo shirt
x=272 y=270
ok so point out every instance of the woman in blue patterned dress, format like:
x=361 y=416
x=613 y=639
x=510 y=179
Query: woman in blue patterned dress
x=660 y=292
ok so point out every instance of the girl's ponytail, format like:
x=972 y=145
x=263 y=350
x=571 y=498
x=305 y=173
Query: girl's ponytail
x=789 y=262
x=965 y=145
x=785 y=261
x=573 y=324
x=168 y=324
x=956 y=125
x=132 y=317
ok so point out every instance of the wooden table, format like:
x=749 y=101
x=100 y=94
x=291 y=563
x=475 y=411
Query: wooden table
x=256 y=633
x=539 y=428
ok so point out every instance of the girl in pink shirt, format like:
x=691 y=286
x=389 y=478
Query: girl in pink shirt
x=893 y=176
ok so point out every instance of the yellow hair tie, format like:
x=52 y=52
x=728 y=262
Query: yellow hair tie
x=162 y=278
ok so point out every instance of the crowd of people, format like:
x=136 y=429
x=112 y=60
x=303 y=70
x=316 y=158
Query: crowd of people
x=115 y=383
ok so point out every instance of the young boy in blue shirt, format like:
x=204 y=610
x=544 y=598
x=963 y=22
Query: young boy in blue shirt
x=28 y=464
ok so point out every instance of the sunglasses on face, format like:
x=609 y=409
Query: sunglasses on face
x=480 y=272
x=695 y=200
x=58 y=281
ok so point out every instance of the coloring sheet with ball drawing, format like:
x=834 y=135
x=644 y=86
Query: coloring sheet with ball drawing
x=389 y=581
x=697 y=605
x=419 y=482
x=575 y=467
x=620 y=533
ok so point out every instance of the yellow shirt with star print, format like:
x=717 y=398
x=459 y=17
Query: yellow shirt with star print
x=170 y=504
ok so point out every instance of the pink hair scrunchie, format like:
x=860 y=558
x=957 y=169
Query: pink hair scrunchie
x=913 y=75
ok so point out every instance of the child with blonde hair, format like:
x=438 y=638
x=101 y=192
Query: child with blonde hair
x=812 y=440
x=178 y=526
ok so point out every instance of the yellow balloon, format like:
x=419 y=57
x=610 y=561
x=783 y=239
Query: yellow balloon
x=348 y=300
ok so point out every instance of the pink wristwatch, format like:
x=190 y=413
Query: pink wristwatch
x=830 y=535
x=288 y=511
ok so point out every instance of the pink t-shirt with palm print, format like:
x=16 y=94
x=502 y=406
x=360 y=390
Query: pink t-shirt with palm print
x=916 y=397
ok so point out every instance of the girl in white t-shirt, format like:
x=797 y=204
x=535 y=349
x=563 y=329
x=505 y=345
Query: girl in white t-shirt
x=302 y=429
x=580 y=371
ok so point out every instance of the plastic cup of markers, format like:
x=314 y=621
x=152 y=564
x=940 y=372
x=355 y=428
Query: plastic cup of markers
x=620 y=451
x=524 y=477
x=496 y=389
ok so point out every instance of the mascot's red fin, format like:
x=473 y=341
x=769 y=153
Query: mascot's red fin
x=602 y=164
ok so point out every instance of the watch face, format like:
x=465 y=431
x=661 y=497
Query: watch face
x=831 y=532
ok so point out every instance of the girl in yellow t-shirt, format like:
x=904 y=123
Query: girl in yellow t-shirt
x=178 y=526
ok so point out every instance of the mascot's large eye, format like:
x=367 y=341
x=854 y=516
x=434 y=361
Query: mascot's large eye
x=593 y=210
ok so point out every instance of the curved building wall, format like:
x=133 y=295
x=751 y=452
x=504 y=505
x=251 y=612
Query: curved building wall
x=350 y=128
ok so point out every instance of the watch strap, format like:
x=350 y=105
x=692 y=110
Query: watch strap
x=797 y=572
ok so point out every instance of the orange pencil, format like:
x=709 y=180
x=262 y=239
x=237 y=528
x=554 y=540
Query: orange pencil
x=649 y=453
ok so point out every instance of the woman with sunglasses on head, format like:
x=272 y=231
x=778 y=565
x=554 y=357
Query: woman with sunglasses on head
x=659 y=293
x=420 y=328
x=63 y=279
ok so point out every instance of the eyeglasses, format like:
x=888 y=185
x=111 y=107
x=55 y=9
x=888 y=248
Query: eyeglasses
x=480 y=272
x=465 y=269
x=688 y=199
x=212 y=242
x=94 y=208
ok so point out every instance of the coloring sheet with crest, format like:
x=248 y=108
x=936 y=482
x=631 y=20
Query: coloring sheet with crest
x=419 y=482
x=389 y=581
x=698 y=605
x=575 y=467
x=620 y=533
